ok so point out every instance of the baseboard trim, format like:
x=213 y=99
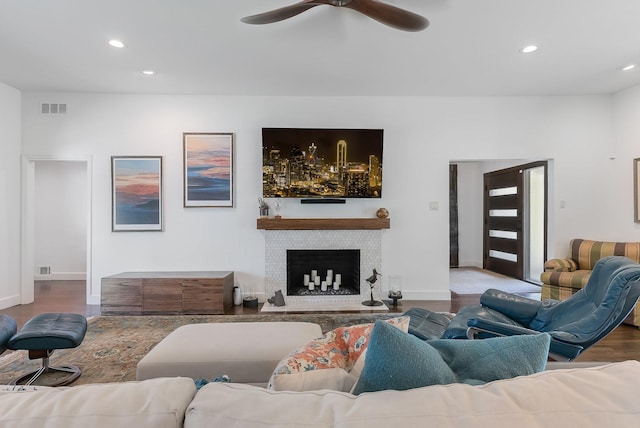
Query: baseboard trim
x=7 y=302
x=62 y=276
x=425 y=295
x=470 y=263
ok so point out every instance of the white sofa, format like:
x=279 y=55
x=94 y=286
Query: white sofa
x=585 y=397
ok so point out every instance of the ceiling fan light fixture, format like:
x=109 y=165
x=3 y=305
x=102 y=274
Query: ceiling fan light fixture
x=529 y=49
x=116 y=44
x=380 y=11
x=148 y=72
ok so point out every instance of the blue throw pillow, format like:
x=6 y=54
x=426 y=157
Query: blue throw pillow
x=397 y=360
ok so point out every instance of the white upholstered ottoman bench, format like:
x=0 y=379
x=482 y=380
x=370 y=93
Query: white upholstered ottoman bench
x=246 y=352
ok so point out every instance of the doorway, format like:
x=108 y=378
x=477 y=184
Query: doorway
x=53 y=247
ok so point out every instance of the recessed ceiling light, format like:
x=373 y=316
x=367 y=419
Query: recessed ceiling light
x=628 y=67
x=148 y=72
x=529 y=49
x=116 y=43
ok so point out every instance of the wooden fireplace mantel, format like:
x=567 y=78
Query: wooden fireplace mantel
x=323 y=223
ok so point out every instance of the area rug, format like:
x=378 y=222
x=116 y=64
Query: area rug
x=113 y=345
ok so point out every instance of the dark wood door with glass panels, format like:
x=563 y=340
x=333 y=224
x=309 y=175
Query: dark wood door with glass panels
x=503 y=210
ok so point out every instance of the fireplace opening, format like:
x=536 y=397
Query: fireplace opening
x=323 y=272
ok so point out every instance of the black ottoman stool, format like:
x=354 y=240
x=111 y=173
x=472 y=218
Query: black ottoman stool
x=42 y=335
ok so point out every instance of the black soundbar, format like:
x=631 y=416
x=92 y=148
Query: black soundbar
x=323 y=201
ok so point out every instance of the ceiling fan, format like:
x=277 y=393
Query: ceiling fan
x=385 y=13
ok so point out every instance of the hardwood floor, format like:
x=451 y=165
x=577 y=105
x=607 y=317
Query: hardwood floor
x=69 y=296
x=54 y=296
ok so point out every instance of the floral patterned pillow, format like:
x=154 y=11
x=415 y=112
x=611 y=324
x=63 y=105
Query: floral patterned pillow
x=354 y=339
x=322 y=353
x=337 y=349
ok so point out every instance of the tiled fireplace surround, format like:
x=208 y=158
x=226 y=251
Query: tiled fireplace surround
x=277 y=242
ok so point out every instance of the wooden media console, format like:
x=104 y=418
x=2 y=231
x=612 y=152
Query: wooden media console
x=138 y=293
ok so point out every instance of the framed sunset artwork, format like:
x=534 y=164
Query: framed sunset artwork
x=136 y=189
x=208 y=169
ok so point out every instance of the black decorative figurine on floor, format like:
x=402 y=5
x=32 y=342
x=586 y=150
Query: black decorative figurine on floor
x=277 y=299
x=371 y=281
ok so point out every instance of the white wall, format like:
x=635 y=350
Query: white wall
x=60 y=238
x=422 y=134
x=627 y=147
x=9 y=196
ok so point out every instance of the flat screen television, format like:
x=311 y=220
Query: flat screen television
x=321 y=163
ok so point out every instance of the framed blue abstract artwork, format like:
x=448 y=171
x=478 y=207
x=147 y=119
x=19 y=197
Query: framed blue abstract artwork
x=136 y=189
x=208 y=169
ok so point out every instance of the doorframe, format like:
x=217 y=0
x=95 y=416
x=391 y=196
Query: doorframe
x=27 y=228
x=546 y=165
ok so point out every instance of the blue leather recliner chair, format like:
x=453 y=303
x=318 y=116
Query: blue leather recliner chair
x=574 y=324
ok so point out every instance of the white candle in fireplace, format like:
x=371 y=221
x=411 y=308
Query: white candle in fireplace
x=329 y=276
x=311 y=286
x=336 y=286
x=317 y=280
x=339 y=278
x=314 y=274
x=323 y=287
x=306 y=279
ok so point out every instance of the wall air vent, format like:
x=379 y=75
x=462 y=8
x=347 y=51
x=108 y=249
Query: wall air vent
x=45 y=270
x=49 y=108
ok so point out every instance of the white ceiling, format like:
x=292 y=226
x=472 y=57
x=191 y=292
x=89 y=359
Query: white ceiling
x=201 y=47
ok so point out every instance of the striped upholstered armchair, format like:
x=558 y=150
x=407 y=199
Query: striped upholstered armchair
x=563 y=277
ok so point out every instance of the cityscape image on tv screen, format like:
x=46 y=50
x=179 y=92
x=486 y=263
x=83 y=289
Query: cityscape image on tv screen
x=314 y=163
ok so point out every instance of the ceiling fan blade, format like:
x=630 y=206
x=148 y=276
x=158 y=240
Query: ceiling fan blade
x=389 y=15
x=283 y=12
